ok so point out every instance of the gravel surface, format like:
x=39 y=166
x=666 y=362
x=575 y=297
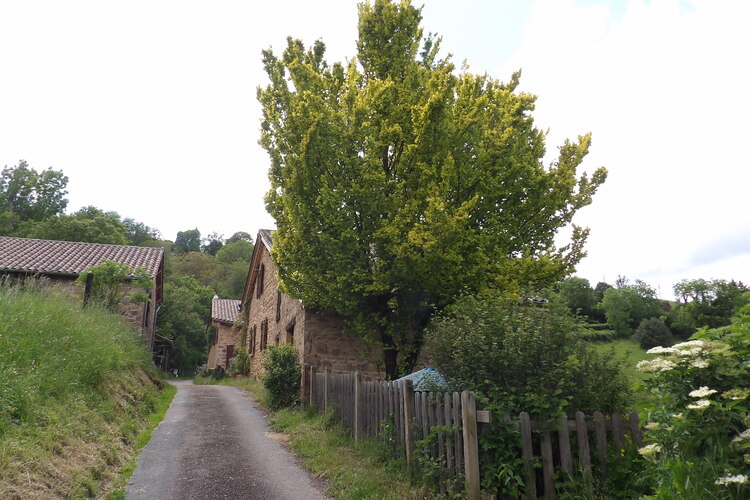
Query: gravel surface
x=214 y=444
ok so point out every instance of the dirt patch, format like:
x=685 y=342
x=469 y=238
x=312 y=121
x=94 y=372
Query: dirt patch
x=277 y=436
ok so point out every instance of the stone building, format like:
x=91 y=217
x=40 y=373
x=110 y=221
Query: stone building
x=61 y=262
x=273 y=318
x=224 y=313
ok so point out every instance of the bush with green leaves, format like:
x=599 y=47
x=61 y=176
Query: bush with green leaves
x=699 y=415
x=518 y=358
x=109 y=280
x=240 y=363
x=653 y=332
x=282 y=376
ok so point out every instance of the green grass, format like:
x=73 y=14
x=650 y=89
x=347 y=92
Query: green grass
x=126 y=471
x=352 y=470
x=76 y=388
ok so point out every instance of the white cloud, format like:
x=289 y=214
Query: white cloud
x=663 y=89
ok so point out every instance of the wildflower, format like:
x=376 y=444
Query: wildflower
x=662 y=350
x=701 y=404
x=689 y=343
x=689 y=352
x=699 y=363
x=702 y=392
x=737 y=394
x=650 y=450
x=656 y=364
x=652 y=425
x=677 y=415
x=741 y=437
x=730 y=479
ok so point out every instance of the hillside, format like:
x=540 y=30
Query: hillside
x=76 y=389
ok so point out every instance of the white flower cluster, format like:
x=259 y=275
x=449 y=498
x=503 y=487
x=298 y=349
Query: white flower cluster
x=702 y=392
x=662 y=350
x=701 y=404
x=649 y=450
x=656 y=364
x=732 y=479
x=689 y=344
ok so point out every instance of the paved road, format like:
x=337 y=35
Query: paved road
x=214 y=444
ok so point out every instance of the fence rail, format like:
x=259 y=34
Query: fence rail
x=445 y=426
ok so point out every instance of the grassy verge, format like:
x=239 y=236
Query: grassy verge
x=76 y=389
x=352 y=470
x=162 y=405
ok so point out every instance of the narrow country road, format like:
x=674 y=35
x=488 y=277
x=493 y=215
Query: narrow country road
x=214 y=444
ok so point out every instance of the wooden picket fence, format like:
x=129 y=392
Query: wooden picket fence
x=445 y=427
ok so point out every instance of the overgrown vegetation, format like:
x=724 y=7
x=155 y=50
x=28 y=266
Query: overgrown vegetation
x=76 y=388
x=281 y=376
x=521 y=358
x=109 y=282
x=699 y=417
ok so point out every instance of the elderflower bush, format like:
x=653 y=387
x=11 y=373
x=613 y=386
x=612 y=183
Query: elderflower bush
x=698 y=433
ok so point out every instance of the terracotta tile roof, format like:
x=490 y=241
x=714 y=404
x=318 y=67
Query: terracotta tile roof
x=71 y=258
x=225 y=310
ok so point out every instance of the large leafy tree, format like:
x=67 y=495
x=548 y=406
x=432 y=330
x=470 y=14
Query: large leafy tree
x=398 y=181
x=88 y=224
x=28 y=195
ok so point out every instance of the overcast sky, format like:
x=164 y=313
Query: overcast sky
x=149 y=108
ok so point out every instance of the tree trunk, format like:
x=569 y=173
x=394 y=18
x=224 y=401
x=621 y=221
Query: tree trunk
x=390 y=356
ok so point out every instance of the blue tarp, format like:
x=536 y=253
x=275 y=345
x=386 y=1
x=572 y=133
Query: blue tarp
x=426 y=379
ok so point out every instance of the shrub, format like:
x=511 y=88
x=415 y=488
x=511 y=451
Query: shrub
x=523 y=358
x=517 y=359
x=240 y=363
x=282 y=376
x=699 y=415
x=653 y=332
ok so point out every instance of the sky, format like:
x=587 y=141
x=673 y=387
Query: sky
x=149 y=107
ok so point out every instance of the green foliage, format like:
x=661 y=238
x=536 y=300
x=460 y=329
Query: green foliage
x=182 y=320
x=89 y=224
x=139 y=233
x=699 y=416
x=627 y=305
x=706 y=304
x=28 y=195
x=653 y=332
x=110 y=282
x=397 y=182
x=212 y=244
x=239 y=236
x=523 y=358
x=282 y=376
x=236 y=251
x=73 y=382
x=577 y=294
x=187 y=241
x=240 y=363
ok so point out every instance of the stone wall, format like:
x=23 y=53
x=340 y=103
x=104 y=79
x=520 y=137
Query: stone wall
x=318 y=338
x=217 y=355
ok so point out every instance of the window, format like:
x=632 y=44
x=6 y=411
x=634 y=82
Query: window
x=259 y=281
x=290 y=334
x=263 y=335
x=278 y=305
x=253 y=333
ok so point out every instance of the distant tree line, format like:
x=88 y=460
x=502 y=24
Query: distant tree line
x=32 y=205
x=618 y=310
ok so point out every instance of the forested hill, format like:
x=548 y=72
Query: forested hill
x=76 y=389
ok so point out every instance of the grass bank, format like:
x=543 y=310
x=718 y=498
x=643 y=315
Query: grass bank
x=353 y=470
x=76 y=390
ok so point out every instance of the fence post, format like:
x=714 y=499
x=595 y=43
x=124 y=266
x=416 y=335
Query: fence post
x=312 y=386
x=326 y=388
x=357 y=405
x=408 y=422
x=527 y=453
x=471 y=446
